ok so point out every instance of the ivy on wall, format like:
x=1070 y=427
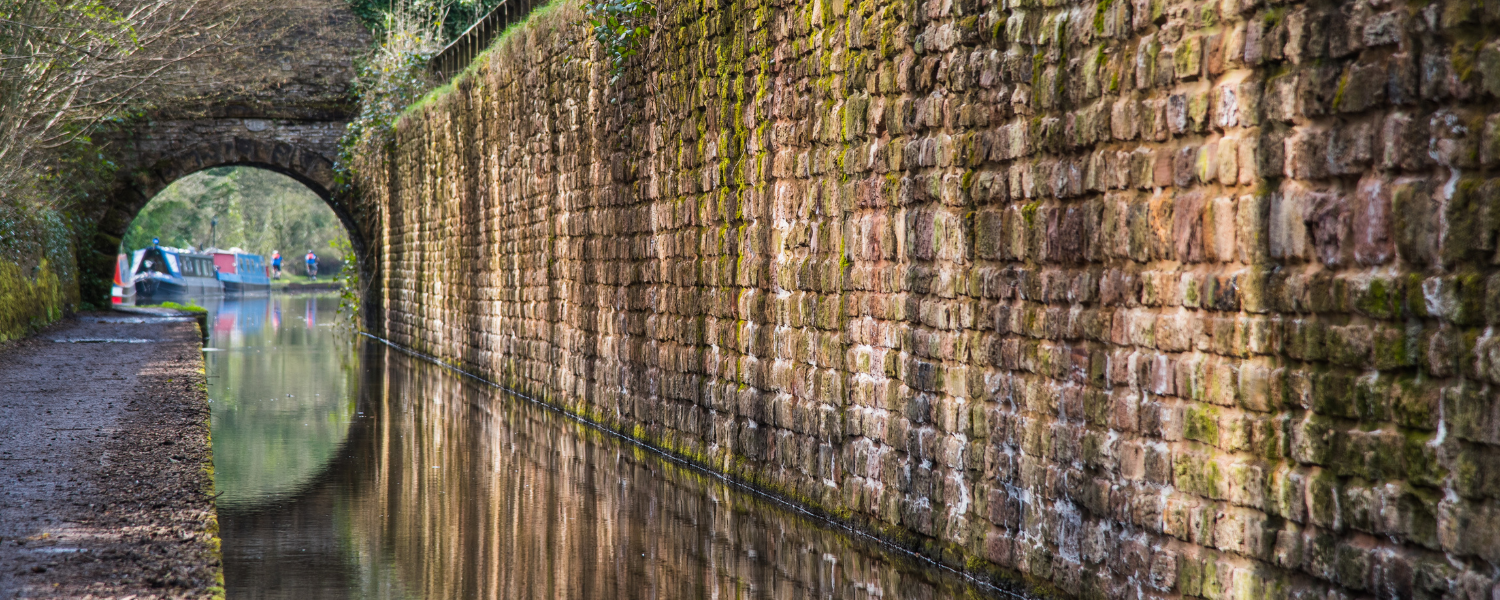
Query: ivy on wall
x=391 y=78
x=47 y=217
x=621 y=27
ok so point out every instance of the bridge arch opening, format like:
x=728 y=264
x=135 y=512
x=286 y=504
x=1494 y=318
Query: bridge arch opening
x=253 y=209
x=289 y=166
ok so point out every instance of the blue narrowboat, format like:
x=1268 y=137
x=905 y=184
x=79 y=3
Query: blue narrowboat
x=162 y=273
x=242 y=273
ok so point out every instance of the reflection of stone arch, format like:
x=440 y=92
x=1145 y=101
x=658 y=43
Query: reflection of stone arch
x=132 y=191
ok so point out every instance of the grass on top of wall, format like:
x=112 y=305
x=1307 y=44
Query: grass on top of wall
x=484 y=57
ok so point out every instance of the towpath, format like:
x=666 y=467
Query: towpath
x=105 y=478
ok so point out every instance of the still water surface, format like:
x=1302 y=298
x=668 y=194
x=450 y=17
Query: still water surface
x=351 y=470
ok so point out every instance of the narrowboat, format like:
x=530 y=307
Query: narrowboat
x=159 y=272
x=240 y=272
x=123 y=289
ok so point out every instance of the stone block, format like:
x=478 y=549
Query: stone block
x=1473 y=474
x=1414 y=216
x=1372 y=221
x=1471 y=528
x=1187 y=227
x=1404 y=140
x=1287 y=238
x=1351 y=148
x=1362 y=86
x=1306 y=154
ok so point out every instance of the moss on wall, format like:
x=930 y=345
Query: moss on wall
x=32 y=298
x=1100 y=294
x=38 y=269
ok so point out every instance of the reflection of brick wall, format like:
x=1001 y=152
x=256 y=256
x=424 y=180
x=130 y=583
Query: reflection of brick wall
x=562 y=511
x=1131 y=297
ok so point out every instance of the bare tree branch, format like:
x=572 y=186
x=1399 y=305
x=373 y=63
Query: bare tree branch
x=69 y=65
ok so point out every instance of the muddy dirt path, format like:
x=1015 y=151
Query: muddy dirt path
x=105 y=480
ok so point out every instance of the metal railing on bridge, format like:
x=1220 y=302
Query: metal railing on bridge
x=457 y=55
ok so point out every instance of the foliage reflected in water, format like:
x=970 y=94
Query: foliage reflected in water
x=282 y=394
x=349 y=283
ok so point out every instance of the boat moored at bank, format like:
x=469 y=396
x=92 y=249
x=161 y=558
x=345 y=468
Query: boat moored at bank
x=240 y=272
x=163 y=273
x=122 y=289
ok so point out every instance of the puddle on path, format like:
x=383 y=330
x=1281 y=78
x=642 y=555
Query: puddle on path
x=105 y=341
x=139 y=320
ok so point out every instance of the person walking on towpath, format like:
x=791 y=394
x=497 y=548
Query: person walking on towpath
x=312 y=265
x=276 y=263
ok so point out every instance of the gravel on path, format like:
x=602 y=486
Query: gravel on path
x=106 y=478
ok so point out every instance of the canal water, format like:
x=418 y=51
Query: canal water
x=349 y=469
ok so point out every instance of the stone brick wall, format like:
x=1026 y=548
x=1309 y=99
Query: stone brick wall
x=1142 y=298
x=285 y=59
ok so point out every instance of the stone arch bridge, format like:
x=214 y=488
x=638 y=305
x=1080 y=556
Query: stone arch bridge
x=289 y=120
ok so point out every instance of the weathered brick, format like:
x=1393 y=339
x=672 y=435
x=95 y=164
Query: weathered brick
x=1019 y=272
